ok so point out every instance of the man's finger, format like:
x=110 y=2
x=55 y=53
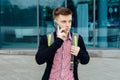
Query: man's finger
x=58 y=29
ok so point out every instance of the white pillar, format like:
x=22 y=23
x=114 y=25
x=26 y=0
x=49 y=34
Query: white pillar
x=82 y=18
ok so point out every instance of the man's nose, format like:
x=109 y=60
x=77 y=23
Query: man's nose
x=67 y=24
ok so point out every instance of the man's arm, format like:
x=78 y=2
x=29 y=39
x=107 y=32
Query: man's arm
x=44 y=52
x=83 y=55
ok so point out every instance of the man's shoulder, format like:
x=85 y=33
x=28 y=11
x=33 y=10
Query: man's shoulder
x=45 y=35
x=76 y=34
x=50 y=33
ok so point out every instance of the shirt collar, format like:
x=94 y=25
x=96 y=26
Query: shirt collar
x=69 y=36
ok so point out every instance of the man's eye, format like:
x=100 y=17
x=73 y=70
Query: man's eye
x=63 y=21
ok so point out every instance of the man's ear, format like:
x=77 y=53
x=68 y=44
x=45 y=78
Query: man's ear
x=55 y=20
x=56 y=24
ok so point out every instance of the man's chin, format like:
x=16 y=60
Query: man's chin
x=67 y=32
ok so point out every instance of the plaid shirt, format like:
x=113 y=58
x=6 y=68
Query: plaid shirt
x=61 y=63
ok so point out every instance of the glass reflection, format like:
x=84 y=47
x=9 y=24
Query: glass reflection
x=18 y=24
x=18 y=21
x=83 y=19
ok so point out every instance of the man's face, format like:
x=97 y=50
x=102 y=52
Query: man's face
x=65 y=22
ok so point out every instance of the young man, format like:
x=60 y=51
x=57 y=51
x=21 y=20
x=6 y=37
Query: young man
x=59 y=54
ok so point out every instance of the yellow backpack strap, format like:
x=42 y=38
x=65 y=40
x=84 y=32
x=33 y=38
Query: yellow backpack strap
x=50 y=39
x=75 y=39
x=75 y=43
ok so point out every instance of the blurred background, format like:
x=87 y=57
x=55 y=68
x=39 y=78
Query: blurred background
x=22 y=22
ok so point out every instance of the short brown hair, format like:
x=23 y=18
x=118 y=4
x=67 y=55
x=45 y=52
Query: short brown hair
x=61 y=11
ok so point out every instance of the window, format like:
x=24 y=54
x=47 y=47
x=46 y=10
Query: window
x=18 y=27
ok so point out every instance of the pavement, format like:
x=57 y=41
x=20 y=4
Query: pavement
x=24 y=67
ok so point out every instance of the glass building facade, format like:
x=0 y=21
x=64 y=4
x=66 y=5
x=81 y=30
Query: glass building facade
x=22 y=22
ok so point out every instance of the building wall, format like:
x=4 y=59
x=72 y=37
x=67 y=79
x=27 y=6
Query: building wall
x=22 y=22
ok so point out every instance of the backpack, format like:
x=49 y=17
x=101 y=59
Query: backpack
x=50 y=38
